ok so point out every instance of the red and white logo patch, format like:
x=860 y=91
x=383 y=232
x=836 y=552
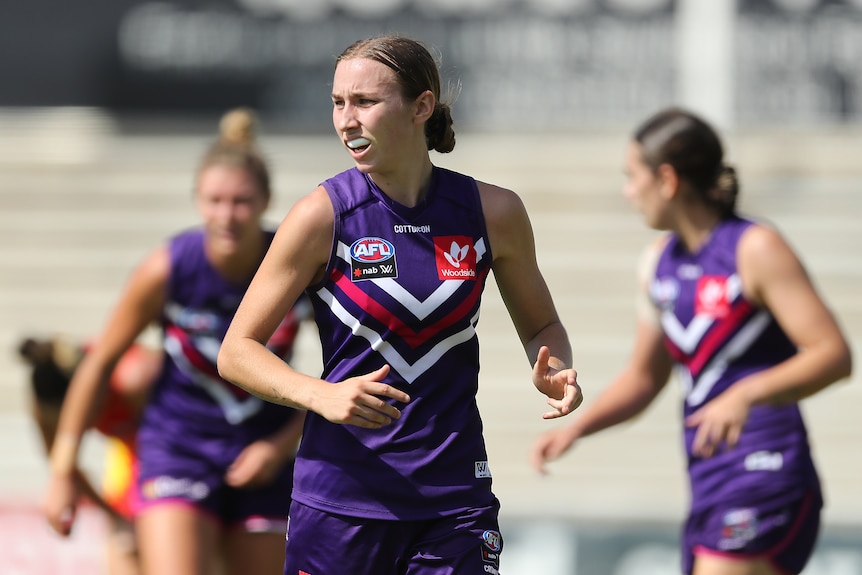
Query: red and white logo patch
x=711 y=297
x=455 y=257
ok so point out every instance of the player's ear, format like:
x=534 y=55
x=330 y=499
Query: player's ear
x=425 y=104
x=668 y=180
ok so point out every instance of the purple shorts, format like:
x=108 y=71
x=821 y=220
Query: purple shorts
x=172 y=473
x=784 y=534
x=319 y=543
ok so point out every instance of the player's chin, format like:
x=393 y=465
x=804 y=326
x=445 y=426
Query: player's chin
x=226 y=243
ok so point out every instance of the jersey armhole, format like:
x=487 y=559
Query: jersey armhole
x=645 y=307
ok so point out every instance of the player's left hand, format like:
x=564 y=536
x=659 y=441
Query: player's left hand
x=558 y=382
x=719 y=421
x=258 y=464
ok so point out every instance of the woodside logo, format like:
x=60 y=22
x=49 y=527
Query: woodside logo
x=455 y=257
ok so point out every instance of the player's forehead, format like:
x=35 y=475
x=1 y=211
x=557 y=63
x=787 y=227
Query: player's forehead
x=363 y=76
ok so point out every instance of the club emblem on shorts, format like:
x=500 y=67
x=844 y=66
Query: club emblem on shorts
x=492 y=544
x=455 y=257
x=740 y=527
x=165 y=487
x=372 y=258
x=493 y=540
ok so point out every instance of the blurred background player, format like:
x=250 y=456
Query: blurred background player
x=52 y=363
x=726 y=301
x=215 y=463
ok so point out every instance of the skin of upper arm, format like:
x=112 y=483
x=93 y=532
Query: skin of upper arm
x=516 y=270
x=650 y=363
x=139 y=305
x=645 y=308
x=296 y=259
x=773 y=277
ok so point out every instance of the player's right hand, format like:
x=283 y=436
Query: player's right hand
x=360 y=400
x=550 y=446
x=60 y=504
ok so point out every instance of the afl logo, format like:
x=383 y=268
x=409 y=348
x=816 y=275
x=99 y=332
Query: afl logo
x=371 y=250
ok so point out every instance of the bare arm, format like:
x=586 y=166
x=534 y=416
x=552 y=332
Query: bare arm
x=773 y=277
x=528 y=299
x=296 y=259
x=635 y=388
x=46 y=416
x=138 y=306
x=260 y=462
x=625 y=398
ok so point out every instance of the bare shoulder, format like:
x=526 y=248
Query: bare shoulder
x=314 y=209
x=303 y=240
x=311 y=218
x=765 y=258
x=649 y=256
x=762 y=248
x=509 y=228
x=155 y=267
x=499 y=204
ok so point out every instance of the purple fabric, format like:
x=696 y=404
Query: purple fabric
x=196 y=423
x=318 y=543
x=783 y=534
x=403 y=287
x=716 y=338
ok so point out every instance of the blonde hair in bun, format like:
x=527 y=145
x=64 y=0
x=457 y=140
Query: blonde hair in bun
x=236 y=146
x=239 y=126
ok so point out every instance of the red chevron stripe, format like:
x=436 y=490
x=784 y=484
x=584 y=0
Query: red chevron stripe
x=199 y=362
x=717 y=337
x=410 y=336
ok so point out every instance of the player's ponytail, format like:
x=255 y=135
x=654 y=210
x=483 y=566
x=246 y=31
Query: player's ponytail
x=236 y=145
x=52 y=363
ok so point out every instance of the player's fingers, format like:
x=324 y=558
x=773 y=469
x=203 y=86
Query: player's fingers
x=699 y=444
x=379 y=373
x=555 y=414
x=693 y=420
x=540 y=368
x=732 y=437
x=385 y=390
x=573 y=397
x=538 y=458
x=376 y=413
x=65 y=521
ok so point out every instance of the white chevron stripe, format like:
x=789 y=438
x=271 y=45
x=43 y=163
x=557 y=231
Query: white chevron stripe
x=420 y=309
x=235 y=410
x=735 y=347
x=407 y=370
x=687 y=338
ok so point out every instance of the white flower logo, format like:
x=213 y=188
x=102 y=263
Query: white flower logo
x=456 y=254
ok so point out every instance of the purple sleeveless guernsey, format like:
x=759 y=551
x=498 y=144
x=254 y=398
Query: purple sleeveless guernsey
x=403 y=288
x=190 y=400
x=717 y=337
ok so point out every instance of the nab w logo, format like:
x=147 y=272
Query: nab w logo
x=482 y=469
x=372 y=258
